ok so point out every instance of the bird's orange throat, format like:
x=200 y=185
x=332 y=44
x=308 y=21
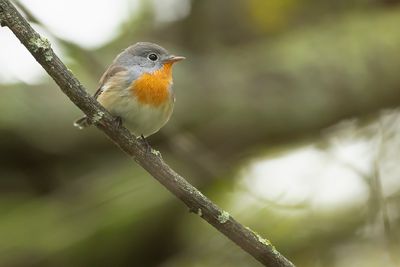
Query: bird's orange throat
x=153 y=88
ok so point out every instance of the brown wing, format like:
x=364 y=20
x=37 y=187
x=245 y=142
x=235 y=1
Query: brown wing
x=110 y=72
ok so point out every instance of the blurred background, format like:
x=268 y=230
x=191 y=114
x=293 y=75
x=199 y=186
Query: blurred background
x=286 y=116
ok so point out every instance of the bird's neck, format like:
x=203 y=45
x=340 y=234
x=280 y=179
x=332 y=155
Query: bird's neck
x=154 y=88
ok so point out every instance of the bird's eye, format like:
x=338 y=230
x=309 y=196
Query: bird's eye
x=153 y=57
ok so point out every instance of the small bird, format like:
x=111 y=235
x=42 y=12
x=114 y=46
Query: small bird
x=137 y=89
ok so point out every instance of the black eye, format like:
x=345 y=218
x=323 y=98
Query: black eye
x=153 y=57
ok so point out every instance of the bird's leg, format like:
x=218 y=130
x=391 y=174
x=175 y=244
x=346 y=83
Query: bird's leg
x=118 y=120
x=146 y=143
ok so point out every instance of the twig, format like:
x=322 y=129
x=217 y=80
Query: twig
x=40 y=48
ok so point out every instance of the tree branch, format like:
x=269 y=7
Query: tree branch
x=40 y=48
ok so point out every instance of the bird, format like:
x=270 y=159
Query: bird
x=137 y=89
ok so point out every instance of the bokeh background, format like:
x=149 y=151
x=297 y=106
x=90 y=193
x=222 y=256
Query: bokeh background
x=286 y=116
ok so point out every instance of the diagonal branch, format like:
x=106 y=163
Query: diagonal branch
x=40 y=48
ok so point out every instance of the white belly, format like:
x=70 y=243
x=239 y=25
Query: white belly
x=140 y=119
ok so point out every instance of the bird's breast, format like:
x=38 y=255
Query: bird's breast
x=153 y=88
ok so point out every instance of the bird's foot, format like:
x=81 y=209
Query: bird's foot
x=146 y=143
x=118 y=120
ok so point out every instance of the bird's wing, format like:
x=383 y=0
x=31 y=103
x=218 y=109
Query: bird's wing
x=107 y=76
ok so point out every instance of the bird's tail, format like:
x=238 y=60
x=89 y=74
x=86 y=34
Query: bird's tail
x=82 y=123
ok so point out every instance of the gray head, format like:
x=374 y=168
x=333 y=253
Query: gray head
x=145 y=57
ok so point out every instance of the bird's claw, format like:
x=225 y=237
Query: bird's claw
x=144 y=142
x=118 y=120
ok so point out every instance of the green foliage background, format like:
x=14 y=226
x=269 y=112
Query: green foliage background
x=261 y=79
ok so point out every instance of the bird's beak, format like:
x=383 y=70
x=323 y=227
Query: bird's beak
x=173 y=59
